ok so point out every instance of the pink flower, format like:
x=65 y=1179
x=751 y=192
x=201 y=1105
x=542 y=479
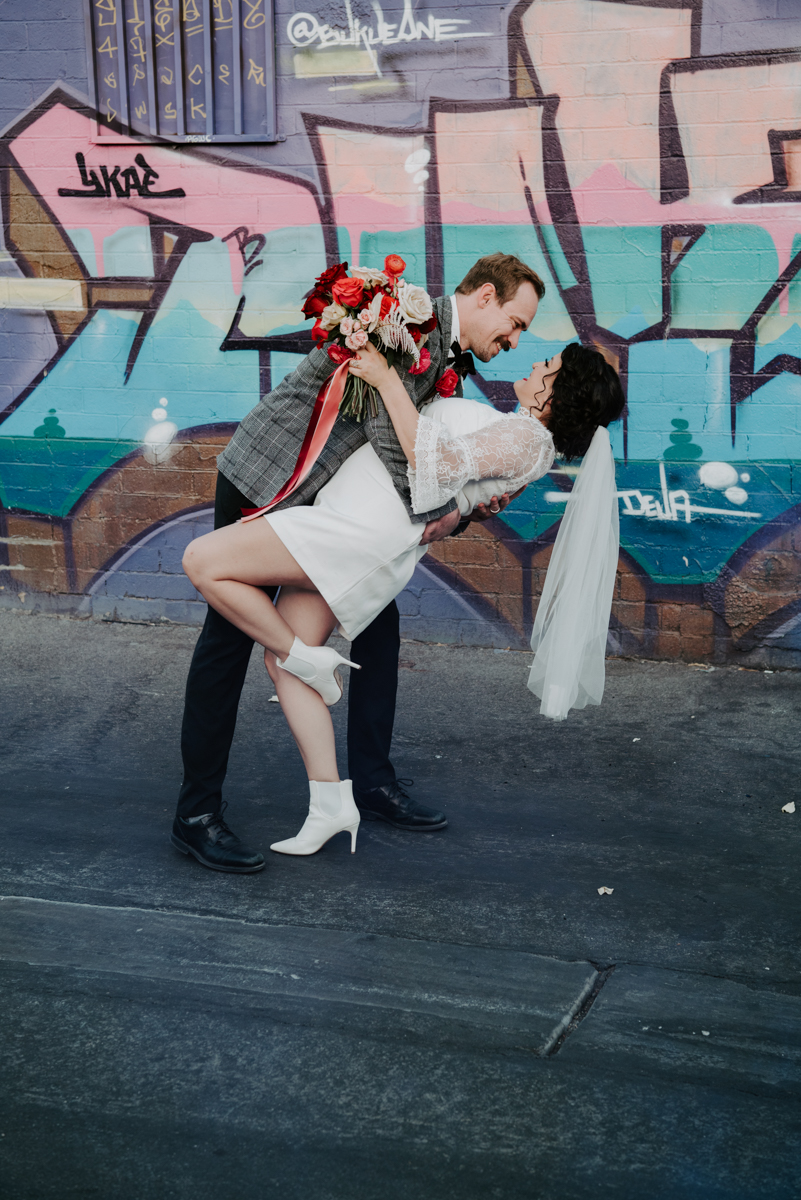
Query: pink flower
x=356 y=340
x=420 y=367
x=346 y=326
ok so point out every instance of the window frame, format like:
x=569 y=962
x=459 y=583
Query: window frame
x=121 y=127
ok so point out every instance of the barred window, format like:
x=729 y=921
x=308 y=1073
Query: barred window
x=185 y=70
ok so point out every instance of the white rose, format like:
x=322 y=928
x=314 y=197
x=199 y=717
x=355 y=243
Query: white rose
x=332 y=315
x=370 y=276
x=415 y=303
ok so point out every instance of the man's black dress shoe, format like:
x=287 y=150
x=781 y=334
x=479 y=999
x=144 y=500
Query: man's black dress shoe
x=212 y=843
x=393 y=804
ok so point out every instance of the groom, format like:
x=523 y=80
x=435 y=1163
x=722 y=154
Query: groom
x=492 y=306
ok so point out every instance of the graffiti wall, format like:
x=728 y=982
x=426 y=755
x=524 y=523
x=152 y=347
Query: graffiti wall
x=644 y=158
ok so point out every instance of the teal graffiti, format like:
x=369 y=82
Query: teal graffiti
x=82 y=417
x=50 y=427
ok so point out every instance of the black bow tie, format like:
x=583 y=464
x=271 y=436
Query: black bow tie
x=463 y=361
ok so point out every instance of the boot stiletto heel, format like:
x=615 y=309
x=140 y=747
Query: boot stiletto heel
x=317 y=666
x=332 y=810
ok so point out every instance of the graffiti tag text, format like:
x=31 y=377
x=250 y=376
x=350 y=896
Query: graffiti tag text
x=674 y=505
x=303 y=29
x=119 y=182
x=250 y=246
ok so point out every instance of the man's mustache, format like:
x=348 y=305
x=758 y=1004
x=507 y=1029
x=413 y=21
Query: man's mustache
x=486 y=354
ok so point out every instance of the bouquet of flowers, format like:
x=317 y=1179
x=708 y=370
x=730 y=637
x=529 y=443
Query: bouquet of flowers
x=370 y=305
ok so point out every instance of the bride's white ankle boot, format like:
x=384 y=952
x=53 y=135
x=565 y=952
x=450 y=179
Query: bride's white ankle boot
x=331 y=810
x=317 y=666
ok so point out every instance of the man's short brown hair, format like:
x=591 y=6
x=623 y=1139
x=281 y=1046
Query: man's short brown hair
x=506 y=272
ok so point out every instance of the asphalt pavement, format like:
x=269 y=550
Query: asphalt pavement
x=452 y=1016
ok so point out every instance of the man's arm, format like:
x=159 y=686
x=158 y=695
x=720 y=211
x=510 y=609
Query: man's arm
x=443 y=527
x=263 y=452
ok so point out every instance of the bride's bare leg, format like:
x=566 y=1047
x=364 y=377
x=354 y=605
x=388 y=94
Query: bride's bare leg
x=307 y=714
x=230 y=566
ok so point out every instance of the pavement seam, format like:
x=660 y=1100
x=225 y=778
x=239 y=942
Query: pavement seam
x=600 y=981
x=754 y=983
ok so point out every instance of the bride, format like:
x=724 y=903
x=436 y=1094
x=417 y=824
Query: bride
x=340 y=561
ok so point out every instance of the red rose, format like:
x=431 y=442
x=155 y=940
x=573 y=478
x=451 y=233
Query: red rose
x=318 y=333
x=446 y=384
x=339 y=354
x=330 y=276
x=314 y=304
x=387 y=304
x=394 y=265
x=423 y=365
x=430 y=325
x=348 y=292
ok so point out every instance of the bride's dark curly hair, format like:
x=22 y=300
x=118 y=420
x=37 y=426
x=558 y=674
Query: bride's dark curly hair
x=586 y=393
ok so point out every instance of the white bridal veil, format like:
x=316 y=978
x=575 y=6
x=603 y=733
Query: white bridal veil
x=569 y=635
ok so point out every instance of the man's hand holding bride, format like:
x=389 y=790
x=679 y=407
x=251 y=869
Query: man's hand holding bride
x=483 y=512
x=435 y=531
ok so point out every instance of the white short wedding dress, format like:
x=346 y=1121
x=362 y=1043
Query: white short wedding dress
x=358 y=544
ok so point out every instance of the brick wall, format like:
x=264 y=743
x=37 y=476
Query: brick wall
x=645 y=159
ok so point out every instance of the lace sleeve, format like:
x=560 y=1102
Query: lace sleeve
x=515 y=449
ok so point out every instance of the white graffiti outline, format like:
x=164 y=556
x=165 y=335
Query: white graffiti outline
x=672 y=504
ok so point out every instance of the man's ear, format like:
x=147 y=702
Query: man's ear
x=486 y=294
x=609 y=354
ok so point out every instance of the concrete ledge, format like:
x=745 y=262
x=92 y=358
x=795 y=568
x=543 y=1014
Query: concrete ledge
x=504 y=996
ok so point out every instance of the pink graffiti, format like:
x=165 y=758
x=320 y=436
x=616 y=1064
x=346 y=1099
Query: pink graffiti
x=219 y=197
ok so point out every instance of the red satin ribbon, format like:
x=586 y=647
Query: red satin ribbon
x=324 y=414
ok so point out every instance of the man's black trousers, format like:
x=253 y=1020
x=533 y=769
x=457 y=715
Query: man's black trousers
x=217 y=676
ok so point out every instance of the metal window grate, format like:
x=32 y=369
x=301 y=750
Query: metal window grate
x=184 y=70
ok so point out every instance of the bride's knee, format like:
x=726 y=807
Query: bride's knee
x=194 y=561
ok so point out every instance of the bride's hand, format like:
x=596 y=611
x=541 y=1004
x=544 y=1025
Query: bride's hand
x=371 y=366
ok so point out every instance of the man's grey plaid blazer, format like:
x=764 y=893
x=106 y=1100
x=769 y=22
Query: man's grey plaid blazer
x=264 y=449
